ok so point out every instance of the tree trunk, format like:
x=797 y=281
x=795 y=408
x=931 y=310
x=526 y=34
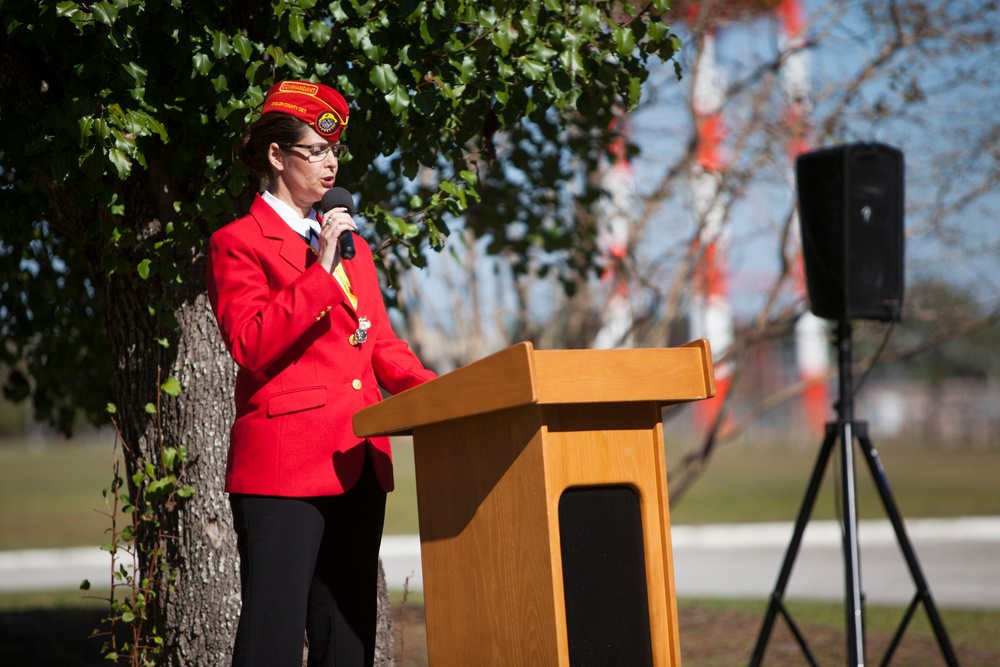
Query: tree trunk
x=383 y=639
x=196 y=612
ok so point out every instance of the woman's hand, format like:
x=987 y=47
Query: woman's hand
x=336 y=222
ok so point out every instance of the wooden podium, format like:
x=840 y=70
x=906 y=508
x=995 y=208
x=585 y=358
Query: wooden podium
x=542 y=501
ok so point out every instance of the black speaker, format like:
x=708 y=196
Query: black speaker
x=851 y=214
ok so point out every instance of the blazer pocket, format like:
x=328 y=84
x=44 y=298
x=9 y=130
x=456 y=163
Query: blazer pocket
x=296 y=400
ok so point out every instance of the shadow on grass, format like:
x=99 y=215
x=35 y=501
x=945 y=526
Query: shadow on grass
x=50 y=638
x=61 y=637
x=710 y=637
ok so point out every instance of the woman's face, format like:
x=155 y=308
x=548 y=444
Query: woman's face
x=301 y=179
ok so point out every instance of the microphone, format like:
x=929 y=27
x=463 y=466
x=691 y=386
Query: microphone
x=340 y=198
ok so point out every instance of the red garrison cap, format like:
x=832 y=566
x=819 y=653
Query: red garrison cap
x=322 y=107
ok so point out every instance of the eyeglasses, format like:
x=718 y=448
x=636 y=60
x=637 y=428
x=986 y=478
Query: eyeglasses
x=318 y=152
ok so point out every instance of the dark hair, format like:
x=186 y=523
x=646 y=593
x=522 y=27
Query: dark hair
x=278 y=128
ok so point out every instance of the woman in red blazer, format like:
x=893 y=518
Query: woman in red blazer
x=313 y=344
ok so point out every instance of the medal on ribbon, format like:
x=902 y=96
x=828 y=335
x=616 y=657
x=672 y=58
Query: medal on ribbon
x=361 y=334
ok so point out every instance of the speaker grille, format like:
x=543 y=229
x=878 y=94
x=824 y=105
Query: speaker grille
x=604 y=577
x=874 y=234
x=851 y=213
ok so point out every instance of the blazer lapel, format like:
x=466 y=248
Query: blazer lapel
x=289 y=245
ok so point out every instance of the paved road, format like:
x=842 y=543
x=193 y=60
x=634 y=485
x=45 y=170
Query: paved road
x=960 y=559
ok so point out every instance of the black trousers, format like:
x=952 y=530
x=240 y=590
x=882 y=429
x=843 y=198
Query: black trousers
x=309 y=566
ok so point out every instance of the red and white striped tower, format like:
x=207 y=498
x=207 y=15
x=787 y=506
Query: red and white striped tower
x=711 y=313
x=616 y=211
x=811 y=336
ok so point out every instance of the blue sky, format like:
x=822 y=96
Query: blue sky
x=938 y=137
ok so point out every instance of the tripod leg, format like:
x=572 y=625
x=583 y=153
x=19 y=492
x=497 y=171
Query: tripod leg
x=889 y=503
x=805 y=511
x=852 y=552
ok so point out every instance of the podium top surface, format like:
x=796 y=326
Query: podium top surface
x=520 y=376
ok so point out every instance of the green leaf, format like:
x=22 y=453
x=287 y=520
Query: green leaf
x=383 y=78
x=244 y=47
x=337 y=12
x=121 y=162
x=104 y=12
x=542 y=52
x=533 y=70
x=625 y=39
x=111 y=408
x=150 y=409
x=297 y=28
x=137 y=73
x=84 y=126
x=372 y=52
x=160 y=486
x=128 y=616
x=320 y=32
x=221 y=46
x=398 y=99
x=202 y=63
x=404 y=57
x=425 y=33
x=277 y=55
x=658 y=31
x=296 y=64
x=143 y=269
x=67 y=9
x=503 y=37
x=590 y=17
x=635 y=91
x=171 y=387
x=468 y=69
x=154 y=126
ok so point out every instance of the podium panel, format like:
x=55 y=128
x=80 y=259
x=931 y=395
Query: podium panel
x=607 y=447
x=494 y=586
x=484 y=541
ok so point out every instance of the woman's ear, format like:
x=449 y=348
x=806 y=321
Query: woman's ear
x=275 y=157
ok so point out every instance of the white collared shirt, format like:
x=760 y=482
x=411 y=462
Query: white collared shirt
x=298 y=224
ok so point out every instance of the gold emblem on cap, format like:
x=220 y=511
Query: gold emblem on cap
x=327 y=123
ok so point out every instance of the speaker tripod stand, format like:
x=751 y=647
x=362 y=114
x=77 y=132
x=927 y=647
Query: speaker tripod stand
x=846 y=429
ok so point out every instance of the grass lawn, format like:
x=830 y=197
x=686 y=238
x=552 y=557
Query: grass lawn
x=51 y=495
x=752 y=483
